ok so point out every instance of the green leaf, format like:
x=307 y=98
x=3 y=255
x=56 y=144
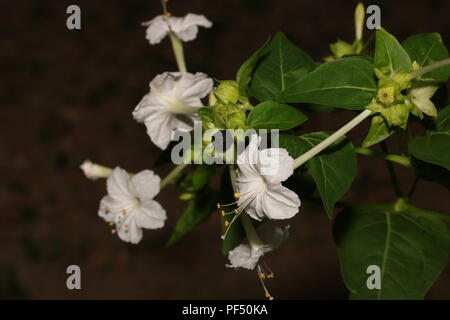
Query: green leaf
x=379 y=130
x=430 y=172
x=411 y=250
x=425 y=49
x=432 y=148
x=274 y=115
x=443 y=119
x=281 y=61
x=245 y=72
x=347 y=83
x=390 y=57
x=333 y=170
x=198 y=210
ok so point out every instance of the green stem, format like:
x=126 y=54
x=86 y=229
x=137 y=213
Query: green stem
x=177 y=46
x=413 y=188
x=172 y=175
x=392 y=175
x=404 y=161
x=331 y=139
x=429 y=68
x=402 y=205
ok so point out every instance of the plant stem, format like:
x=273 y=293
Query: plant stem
x=402 y=205
x=392 y=175
x=172 y=175
x=429 y=68
x=404 y=161
x=331 y=139
x=413 y=188
x=177 y=46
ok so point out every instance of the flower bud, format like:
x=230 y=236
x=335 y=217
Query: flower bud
x=227 y=92
x=386 y=94
x=341 y=48
x=94 y=171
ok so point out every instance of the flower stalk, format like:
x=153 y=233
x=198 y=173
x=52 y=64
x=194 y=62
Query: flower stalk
x=431 y=67
x=331 y=139
x=404 y=161
x=172 y=175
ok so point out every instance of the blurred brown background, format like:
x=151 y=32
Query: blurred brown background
x=68 y=95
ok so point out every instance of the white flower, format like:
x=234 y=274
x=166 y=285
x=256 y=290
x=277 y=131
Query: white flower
x=172 y=103
x=420 y=97
x=247 y=255
x=129 y=205
x=94 y=171
x=259 y=177
x=185 y=28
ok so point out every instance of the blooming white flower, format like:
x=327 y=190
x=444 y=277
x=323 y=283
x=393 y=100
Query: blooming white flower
x=172 y=103
x=129 y=205
x=420 y=97
x=247 y=255
x=185 y=28
x=259 y=177
x=94 y=171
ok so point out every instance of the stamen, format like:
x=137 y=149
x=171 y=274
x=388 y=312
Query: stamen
x=110 y=224
x=237 y=195
x=229 y=225
x=266 y=292
x=270 y=274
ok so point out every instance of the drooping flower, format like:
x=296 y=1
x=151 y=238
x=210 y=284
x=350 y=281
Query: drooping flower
x=185 y=28
x=94 y=171
x=259 y=177
x=172 y=103
x=129 y=204
x=247 y=255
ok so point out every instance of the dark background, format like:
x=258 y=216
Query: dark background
x=68 y=95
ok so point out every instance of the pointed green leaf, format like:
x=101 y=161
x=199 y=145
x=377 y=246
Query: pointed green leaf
x=281 y=61
x=333 y=170
x=411 y=250
x=390 y=57
x=347 y=83
x=198 y=210
x=432 y=148
x=425 y=49
x=245 y=72
x=274 y=115
x=379 y=130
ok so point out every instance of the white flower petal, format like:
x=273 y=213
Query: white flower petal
x=132 y=234
x=151 y=215
x=117 y=183
x=145 y=185
x=279 y=202
x=243 y=257
x=186 y=28
x=193 y=87
x=421 y=96
x=276 y=165
x=157 y=29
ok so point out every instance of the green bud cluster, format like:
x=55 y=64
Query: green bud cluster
x=398 y=96
x=228 y=108
x=391 y=101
